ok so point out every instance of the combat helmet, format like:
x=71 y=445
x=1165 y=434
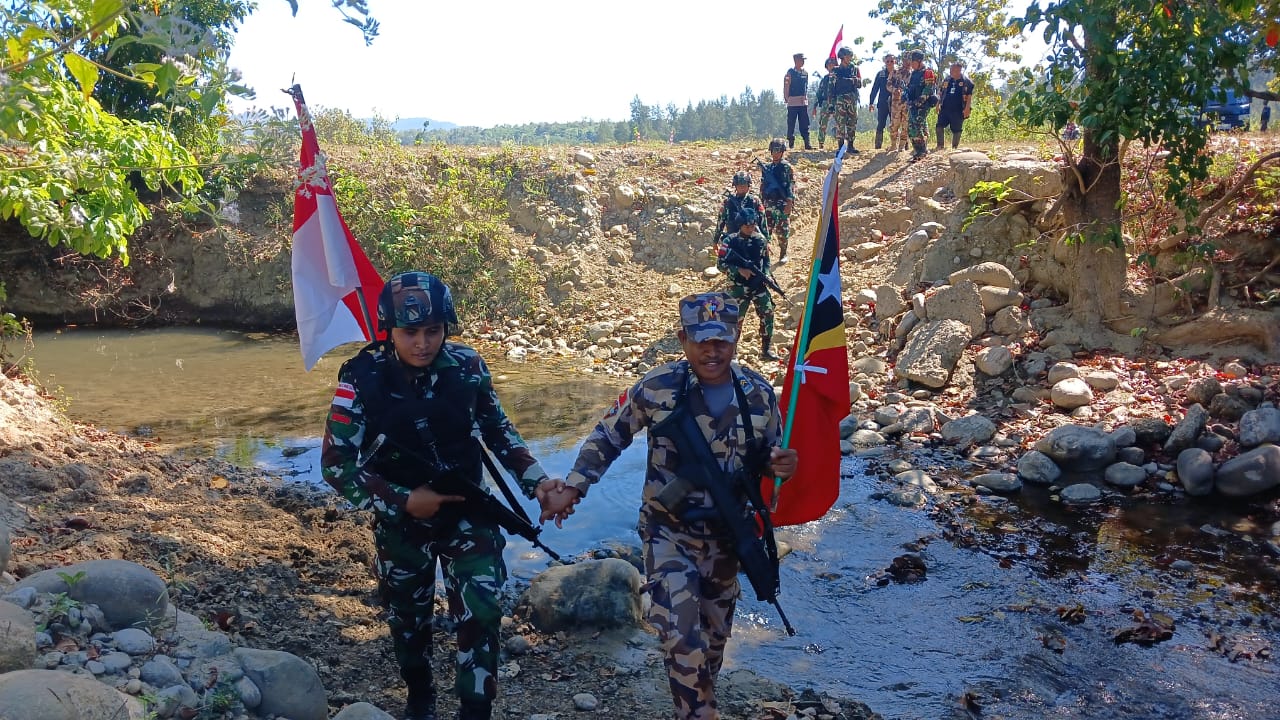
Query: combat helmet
x=741 y=178
x=844 y=51
x=416 y=299
x=777 y=145
x=747 y=216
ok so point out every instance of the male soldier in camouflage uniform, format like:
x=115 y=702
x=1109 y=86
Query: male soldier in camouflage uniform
x=691 y=569
x=425 y=395
x=847 y=85
x=824 y=106
x=920 y=98
x=746 y=252
x=735 y=202
x=777 y=186
x=897 y=83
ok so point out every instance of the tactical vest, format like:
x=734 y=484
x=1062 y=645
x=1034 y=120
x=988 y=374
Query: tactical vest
x=799 y=83
x=771 y=187
x=438 y=428
x=846 y=80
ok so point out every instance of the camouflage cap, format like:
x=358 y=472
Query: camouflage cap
x=710 y=316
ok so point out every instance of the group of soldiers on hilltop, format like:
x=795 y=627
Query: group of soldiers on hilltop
x=902 y=95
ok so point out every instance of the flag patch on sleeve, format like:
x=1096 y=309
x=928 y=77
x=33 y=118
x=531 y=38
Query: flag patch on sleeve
x=617 y=405
x=340 y=418
x=344 y=395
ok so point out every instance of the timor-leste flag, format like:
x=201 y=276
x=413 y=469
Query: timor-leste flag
x=330 y=270
x=815 y=392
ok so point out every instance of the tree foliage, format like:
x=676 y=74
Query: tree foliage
x=971 y=31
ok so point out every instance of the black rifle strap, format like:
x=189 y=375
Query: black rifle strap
x=501 y=482
x=751 y=485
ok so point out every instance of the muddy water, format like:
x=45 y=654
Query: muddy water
x=986 y=621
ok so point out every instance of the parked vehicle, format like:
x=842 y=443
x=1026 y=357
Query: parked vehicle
x=1230 y=113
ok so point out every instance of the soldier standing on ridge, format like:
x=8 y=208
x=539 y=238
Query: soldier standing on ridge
x=795 y=89
x=897 y=91
x=957 y=96
x=920 y=98
x=847 y=84
x=426 y=396
x=690 y=565
x=881 y=99
x=777 y=187
x=824 y=106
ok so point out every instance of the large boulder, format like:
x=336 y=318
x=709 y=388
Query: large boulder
x=17 y=638
x=932 y=351
x=57 y=695
x=986 y=273
x=1186 y=432
x=1260 y=426
x=1250 y=473
x=289 y=685
x=593 y=593
x=1078 y=449
x=128 y=594
x=1195 y=471
x=968 y=430
x=958 y=302
x=362 y=711
x=1036 y=467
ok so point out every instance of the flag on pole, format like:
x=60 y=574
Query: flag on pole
x=334 y=283
x=815 y=391
x=836 y=45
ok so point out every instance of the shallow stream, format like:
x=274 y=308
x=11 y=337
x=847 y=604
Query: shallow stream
x=988 y=620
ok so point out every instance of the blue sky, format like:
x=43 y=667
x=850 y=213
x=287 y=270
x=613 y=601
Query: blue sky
x=559 y=60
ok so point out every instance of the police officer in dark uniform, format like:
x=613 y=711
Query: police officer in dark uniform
x=795 y=91
x=956 y=96
x=427 y=396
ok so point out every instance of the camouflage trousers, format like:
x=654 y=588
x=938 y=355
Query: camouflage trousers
x=470 y=558
x=846 y=118
x=693 y=581
x=917 y=124
x=826 y=116
x=763 y=303
x=779 y=224
x=898 y=126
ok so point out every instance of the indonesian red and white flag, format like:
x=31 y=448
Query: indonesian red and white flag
x=836 y=45
x=815 y=392
x=330 y=270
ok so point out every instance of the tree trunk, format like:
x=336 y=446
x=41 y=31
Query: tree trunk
x=1093 y=229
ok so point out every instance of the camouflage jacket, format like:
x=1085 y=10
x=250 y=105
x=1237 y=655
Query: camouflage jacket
x=345 y=429
x=654 y=398
x=825 y=98
x=754 y=249
x=897 y=82
x=732 y=206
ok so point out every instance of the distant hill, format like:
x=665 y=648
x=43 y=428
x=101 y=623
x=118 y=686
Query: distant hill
x=416 y=124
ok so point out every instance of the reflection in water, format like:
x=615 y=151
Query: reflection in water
x=909 y=651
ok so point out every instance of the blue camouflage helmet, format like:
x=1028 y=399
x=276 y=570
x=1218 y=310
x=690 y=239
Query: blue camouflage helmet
x=416 y=299
x=741 y=178
x=748 y=216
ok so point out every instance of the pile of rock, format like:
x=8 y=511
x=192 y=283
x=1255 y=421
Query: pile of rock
x=99 y=640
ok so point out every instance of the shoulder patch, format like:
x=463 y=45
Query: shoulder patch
x=617 y=404
x=340 y=417
x=344 y=396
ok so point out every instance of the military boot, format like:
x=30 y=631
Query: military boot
x=422 y=694
x=879 y=139
x=939 y=147
x=807 y=146
x=955 y=141
x=765 y=352
x=474 y=710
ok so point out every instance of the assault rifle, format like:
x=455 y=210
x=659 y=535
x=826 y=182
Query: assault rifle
x=449 y=482
x=758 y=281
x=757 y=555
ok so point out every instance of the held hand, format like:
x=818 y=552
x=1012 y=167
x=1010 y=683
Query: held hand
x=871 y=107
x=424 y=502
x=556 y=500
x=783 y=462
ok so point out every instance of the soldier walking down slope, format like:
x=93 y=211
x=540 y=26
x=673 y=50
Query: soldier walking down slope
x=423 y=396
x=956 y=95
x=777 y=186
x=920 y=99
x=707 y=417
x=741 y=198
x=746 y=262
x=882 y=99
x=795 y=89
x=847 y=85
x=824 y=105
x=897 y=90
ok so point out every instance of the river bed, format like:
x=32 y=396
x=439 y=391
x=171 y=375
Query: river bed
x=987 y=623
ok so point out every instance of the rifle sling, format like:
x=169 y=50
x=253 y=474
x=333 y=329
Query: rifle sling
x=501 y=482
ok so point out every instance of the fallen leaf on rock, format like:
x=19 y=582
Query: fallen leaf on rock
x=1147 y=630
x=1074 y=614
x=1054 y=642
